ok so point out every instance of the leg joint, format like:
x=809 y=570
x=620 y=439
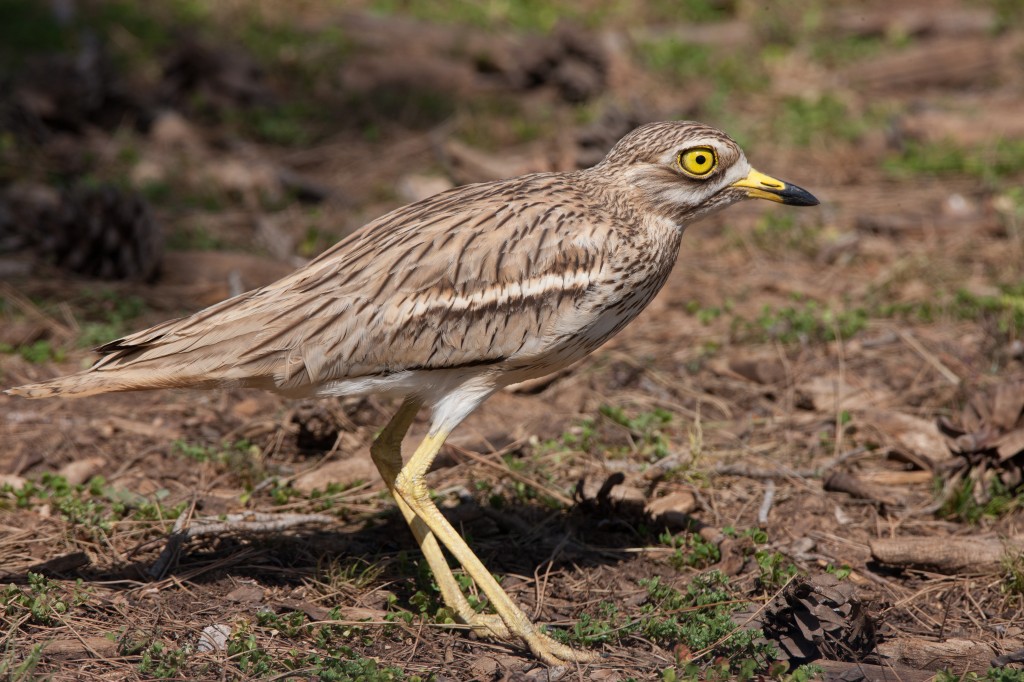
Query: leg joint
x=413 y=489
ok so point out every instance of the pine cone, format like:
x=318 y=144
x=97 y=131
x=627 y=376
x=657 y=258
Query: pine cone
x=105 y=232
x=819 y=617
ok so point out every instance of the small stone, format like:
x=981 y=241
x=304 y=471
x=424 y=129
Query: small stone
x=213 y=638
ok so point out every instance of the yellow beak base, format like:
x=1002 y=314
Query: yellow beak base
x=761 y=186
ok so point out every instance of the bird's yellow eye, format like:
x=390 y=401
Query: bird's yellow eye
x=698 y=162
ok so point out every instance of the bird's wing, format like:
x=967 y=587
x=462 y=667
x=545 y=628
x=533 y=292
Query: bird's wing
x=477 y=275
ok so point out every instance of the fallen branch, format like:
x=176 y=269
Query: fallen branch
x=752 y=471
x=250 y=523
x=841 y=481
x=962 y=655
x=849 y=670
x=946 y=554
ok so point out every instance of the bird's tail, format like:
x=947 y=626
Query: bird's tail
x=91 y=382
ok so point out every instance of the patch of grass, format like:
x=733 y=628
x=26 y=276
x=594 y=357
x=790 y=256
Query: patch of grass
x=991 y=162
x=692 y=11
x=1013 y=567
x=497 y=122
x=990 y=675
x=1005 y=310
x=1010 y=205
x=780 y=233
x=357 y=574
x=17 y=668
x=108 y=316
x=804 y=321
x=840 y=572
x=719 y=671
x=91 y=509
x=697 y=619
x=194 y=238
x=303 y=55
x=250 y=658
x=691 y=550
x=134 y=32
x=289 y=124
x=353 y=667
x=835 y=51
x=410 y=106
x=37 y=352
x=646 y=430
x=825 y=118
x=1002 y=312
x=428 y=602
x=530 y=15
x=331 y=496
x=707 y=314
x=603 y=627
x=581 y=437
x=963 y=505
x=160 y=661
x=1009 y=14
x=241 y=458
x=28 y=27
x=316 y=239
x=774 y=570
x=681 y=62
x=42 y=602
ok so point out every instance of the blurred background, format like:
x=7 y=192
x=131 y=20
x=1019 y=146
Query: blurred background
x=157 y=157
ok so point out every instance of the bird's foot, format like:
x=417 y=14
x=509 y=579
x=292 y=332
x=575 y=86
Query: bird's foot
x=488 y=625
x=543 y=645
x=552 y=652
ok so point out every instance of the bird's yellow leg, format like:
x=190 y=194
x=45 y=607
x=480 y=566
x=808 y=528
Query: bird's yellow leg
x=387 y=455
x=411 y=486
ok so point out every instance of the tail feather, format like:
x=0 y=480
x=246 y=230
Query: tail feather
x=92 y=383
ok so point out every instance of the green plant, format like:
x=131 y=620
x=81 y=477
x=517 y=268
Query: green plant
x=836 y=51
x=805 y=321
x=108 y=316
x=691 y=550
x=245 y=652
x=990 y=675
x=597 y=629
x=645 y=429
x=991 y=162
x=682 y=62
x=781 y=234
x=775 y=570
x=840 y=572
x=1013 y=567
x=24 y=670
x=93 y=508
x=699 y=619
x=43 y=601
x=160 y=661
x=36 y=352
x=803 y=121
x=240 y=457
x=962 y=503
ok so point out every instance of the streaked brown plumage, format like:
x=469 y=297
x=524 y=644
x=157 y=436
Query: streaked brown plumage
x=447 y=300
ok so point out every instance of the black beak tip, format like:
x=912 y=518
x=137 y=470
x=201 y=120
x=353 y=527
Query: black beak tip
x=797 y=196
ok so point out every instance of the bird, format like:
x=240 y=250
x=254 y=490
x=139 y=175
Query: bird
x=445 y=301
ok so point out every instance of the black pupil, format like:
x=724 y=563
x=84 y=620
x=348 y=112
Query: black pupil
x=699 y=159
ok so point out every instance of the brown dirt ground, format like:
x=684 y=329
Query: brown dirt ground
x=750 y=411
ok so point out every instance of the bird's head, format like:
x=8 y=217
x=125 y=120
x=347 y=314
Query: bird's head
x=686 y=170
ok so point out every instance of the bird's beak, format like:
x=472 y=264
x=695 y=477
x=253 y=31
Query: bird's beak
x=761 y=186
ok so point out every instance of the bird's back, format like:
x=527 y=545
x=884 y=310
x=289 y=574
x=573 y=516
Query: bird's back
x=481 y=275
